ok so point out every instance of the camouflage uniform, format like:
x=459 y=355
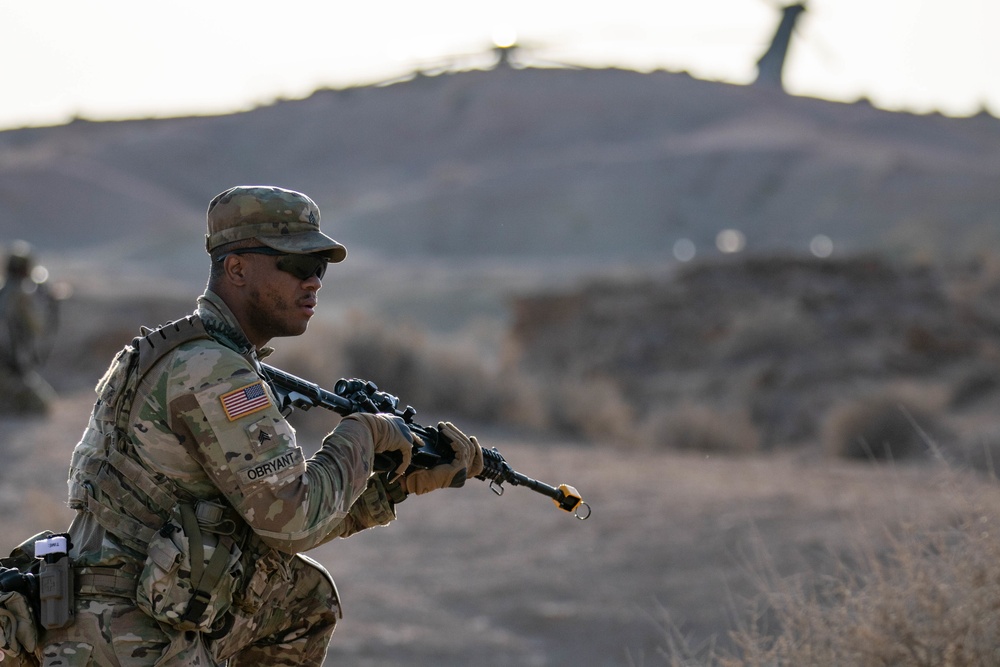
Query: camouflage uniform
x=204 y=426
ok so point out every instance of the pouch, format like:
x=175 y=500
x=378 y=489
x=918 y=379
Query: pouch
x=189 y=575
x=18 y=631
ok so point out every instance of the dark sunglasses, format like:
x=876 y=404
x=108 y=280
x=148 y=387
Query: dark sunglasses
x=302 y=267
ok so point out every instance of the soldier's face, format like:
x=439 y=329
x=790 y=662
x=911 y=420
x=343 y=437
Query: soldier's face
x=280 y=304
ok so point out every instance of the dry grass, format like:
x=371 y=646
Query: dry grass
x=430 y=375
x=917 y=596
x=452 y=379
x=932 y=600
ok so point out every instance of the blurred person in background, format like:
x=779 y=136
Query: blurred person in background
x=28 y=320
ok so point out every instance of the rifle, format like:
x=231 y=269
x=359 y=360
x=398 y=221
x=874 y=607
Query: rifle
x=354 y=395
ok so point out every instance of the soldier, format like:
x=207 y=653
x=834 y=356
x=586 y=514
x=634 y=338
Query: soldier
x=28 y=313
x=194 y=501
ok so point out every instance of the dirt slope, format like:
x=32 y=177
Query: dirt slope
x=544 y=163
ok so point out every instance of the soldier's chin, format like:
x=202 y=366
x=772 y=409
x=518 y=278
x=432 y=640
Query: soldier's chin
x=299 y=329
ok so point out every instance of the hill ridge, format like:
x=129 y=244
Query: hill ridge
x=553 y=162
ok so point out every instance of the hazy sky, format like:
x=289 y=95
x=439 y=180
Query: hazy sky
x=111 y=59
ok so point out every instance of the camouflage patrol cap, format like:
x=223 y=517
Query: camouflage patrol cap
x=281 y=219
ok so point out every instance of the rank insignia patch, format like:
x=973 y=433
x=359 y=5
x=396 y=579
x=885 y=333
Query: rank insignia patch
x=245 y=401
x=262 y=434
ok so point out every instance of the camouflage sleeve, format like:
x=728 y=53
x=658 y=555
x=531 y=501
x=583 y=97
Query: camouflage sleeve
x=374 y=507
x=231 y=426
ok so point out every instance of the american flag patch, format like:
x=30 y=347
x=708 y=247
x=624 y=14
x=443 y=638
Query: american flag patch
x=245 y=400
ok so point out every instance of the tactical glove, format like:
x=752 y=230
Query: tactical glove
x=391 y=435
x=468 y=462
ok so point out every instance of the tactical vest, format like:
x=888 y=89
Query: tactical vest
x=105 y=478
x=132 y=503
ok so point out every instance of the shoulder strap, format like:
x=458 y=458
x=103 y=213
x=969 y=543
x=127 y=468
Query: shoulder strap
x=156 y=343
x=150 y=347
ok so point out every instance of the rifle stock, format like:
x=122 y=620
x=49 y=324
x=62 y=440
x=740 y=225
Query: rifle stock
x=354 y=395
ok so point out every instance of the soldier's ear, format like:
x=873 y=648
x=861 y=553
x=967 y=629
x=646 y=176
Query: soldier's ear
x=235 y=268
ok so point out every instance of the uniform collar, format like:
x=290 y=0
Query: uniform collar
x=222 y=325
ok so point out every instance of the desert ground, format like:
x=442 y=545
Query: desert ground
x=466 y=577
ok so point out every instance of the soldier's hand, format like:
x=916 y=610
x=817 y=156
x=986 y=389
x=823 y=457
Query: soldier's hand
x=391 y=435
x=468 y=462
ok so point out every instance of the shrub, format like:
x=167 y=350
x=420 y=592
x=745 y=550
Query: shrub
x=442 y=379
x=594 y=409
x=774 y=331
x=892 y=424
x=449 y=378
x=701 y=428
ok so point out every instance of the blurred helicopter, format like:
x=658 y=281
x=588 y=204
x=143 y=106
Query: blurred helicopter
x=506 y=52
